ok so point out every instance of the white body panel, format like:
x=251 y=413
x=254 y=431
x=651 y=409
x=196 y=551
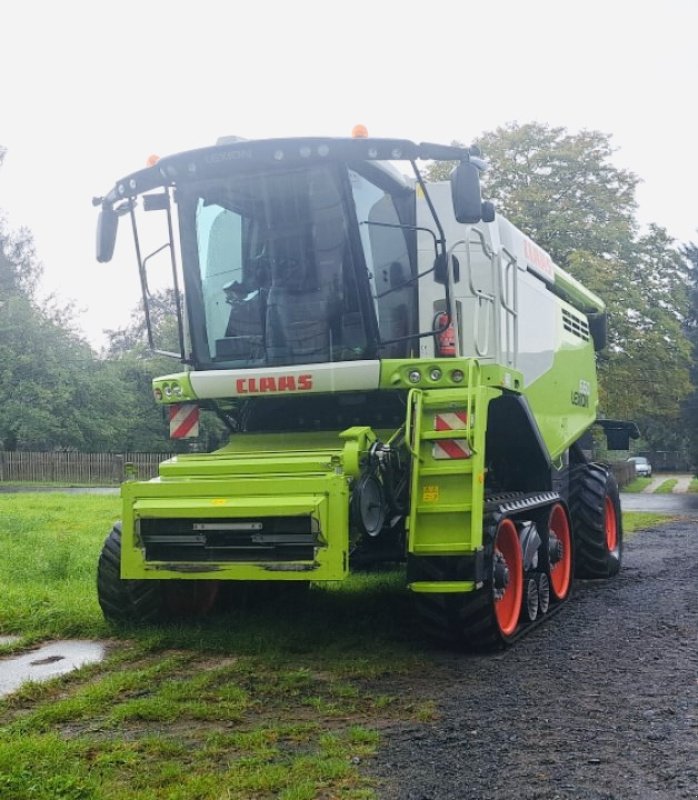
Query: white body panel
x=346 y=376
x=506 y=313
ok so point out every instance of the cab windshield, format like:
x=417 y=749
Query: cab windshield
x=298 y=266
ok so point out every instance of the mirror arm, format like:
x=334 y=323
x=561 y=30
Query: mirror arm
x=144 y=281
x=175 y=282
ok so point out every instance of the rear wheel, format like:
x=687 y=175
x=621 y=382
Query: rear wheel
x=596 y=517
x=560 y=552
x=507 y=578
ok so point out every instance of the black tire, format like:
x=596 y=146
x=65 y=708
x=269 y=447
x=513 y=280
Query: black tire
x=463 y=621
x=596 y=522
x=124 y=601
x=454 y=620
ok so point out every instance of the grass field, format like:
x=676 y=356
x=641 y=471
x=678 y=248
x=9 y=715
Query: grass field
x=637 y=485
x=282 y=701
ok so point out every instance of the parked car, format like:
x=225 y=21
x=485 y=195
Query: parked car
x=643 y=468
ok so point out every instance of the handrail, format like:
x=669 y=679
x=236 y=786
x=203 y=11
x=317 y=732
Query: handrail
x=414 y=398
x=510 y=305
x=473 y=370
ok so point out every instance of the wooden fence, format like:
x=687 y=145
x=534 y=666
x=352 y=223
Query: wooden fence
x=104 y=469
x=96 y=469
x=623 y=472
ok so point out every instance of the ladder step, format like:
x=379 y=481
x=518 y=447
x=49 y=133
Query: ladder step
x=441 y=549
x=444 y=508
x=459 y=433
x=443 y=587
x=454 y=466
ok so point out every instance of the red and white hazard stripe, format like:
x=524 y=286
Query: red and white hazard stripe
x=184 y=420
x=451 y=448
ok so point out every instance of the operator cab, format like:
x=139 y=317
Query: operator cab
x=294 y=251
x=295 y=267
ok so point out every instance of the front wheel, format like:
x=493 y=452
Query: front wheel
x=144 y=601
x=124 y=601
x=486 y=618
x=597 y=522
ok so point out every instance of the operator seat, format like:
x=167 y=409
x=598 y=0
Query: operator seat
x=304 y=302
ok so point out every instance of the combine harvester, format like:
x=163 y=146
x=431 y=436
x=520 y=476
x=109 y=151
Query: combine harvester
x=405 y=376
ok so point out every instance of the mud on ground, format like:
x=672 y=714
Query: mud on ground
x=600 y=703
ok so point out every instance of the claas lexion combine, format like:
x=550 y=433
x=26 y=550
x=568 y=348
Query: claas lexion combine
x=405 y=376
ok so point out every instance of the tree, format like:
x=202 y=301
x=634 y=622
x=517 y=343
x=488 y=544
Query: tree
x=561 y=188
x=48 y=381
x=645 y=370
x=564 y=192
x=690 y=406
x=136 y=366
x=133 y=337
x=56 y=393
x=19 y=268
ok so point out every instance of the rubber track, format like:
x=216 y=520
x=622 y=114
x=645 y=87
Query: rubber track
x=591 y=484
x=467 y=621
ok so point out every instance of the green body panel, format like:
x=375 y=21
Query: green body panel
x=302 y=263
x=564 y=399
x=311 y=475
x=239 y=483
x=576 y=293
x=447 y=491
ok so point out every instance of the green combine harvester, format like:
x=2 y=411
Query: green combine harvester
x=405 y=376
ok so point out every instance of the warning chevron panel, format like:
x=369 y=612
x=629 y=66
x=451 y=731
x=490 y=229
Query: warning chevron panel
x=184 y=420
x=451 y=448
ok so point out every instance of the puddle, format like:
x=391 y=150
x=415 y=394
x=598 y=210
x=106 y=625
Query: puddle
x=48 y=661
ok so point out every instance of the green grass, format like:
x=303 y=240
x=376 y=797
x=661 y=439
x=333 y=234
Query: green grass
x=278 y=701
x=693 y=485
x=29 y=485
x=50 y=543
x=666 y=487
x=637 y=485
x=640 y=520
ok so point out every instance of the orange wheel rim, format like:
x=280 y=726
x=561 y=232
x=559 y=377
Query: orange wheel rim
x=507 y=549
x=611 y=525
x=561 y=571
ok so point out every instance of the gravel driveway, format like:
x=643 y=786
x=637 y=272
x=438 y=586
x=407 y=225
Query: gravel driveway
x=600 y=703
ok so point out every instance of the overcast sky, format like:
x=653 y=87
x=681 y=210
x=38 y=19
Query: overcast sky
x=90 y=90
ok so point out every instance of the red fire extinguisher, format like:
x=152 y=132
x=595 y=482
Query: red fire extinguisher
x=445 y=335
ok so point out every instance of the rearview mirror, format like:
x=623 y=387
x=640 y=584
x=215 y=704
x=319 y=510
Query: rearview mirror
x=441 y=269
x=465 y=193
x=618 y=433
x=107 y=224
x=598 y=327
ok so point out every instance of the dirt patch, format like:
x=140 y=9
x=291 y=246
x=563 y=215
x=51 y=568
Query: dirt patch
x=601 y=703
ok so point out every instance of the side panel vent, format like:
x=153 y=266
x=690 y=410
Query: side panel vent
x=578 y=326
